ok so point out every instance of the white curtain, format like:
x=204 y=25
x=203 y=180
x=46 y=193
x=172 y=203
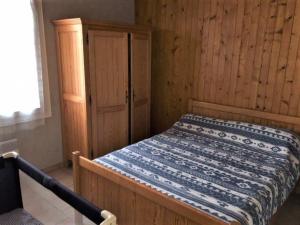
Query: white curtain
x=24 y=89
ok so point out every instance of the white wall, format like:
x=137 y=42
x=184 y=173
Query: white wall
x=43 y=145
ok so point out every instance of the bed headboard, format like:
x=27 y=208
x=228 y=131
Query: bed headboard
x=243 y=114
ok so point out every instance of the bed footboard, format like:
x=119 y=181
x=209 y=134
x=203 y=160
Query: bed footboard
x=131 y=202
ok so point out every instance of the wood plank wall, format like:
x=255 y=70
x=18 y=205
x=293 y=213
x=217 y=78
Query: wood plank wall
x=234 y=52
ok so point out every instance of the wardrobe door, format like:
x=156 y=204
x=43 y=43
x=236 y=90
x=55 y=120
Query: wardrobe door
x=108 y=64
x=140 y=84
x=72 y=90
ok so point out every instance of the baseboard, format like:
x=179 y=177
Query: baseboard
x=54 y=167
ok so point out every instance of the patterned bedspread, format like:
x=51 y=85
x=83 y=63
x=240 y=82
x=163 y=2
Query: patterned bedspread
x=234 y=171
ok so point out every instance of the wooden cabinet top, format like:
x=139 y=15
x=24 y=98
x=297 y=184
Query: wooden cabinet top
x=92 y=24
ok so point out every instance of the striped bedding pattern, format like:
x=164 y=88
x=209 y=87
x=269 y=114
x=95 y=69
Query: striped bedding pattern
x=234 y=171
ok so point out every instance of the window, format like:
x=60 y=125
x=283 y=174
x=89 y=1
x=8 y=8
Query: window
x=24 y=91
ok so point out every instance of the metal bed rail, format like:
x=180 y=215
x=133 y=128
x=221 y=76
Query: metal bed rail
x=96 y=215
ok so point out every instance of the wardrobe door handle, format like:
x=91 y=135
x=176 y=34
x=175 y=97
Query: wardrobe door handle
x=126 y=96
x=133 y=94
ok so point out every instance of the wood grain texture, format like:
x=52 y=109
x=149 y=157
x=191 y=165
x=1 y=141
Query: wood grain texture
x=140 y=86
x=108 y=60
x=195 y=107
x=242 y=53
x=72 y=90
x=104 y=75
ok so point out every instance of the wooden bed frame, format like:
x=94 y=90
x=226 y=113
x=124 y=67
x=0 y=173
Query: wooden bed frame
x=137 y=204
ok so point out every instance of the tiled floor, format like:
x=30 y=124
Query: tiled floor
x=52 y=211
x=44 y=205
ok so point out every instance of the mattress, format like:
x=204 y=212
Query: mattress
x=232 y=170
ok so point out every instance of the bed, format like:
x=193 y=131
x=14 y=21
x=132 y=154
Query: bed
x=201 y=171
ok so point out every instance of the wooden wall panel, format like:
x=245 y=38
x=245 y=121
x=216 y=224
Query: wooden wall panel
x=242 y=53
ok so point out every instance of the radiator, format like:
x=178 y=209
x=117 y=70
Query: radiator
x=8 y=145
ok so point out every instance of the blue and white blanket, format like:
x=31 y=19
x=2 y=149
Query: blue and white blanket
x=234 y=171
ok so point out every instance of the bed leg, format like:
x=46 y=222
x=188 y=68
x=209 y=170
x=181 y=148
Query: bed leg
x=76 y=171
x=76 y=179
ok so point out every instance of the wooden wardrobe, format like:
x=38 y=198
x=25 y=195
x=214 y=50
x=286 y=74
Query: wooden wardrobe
x=104 y=76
